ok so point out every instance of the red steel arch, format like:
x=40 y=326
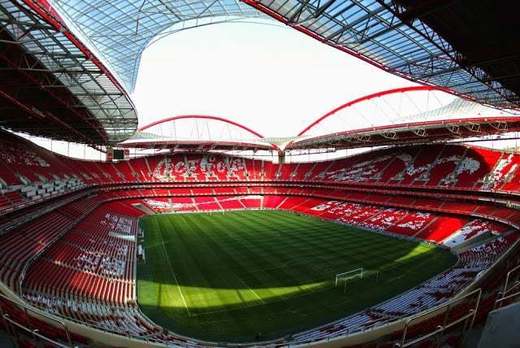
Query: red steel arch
x=371 y=96
x=204 y=117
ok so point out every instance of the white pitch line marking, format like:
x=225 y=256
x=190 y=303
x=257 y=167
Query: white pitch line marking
x=174 y=276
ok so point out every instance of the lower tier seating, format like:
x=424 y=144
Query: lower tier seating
x=430 y=293
x=96 y=281
x=20 y=246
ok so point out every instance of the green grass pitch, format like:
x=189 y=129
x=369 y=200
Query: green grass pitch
x=248 y=275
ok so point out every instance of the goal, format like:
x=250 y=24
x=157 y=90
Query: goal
x=345 y=277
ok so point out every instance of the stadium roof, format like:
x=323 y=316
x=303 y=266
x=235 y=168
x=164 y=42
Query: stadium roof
x=198 y=133
x=120 y=30
x=411 y=133
x=53 y=86
x=440 y=43
x=470 y=47
x=400 y=116
x=56 y=82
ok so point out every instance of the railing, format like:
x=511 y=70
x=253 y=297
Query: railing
x=468 y=319
x=13 y=326
x=509 y=293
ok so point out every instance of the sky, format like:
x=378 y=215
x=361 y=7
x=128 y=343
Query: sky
x=269 y=77
x=266 y=76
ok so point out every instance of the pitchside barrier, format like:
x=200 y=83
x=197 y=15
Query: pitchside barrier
x=461 y=311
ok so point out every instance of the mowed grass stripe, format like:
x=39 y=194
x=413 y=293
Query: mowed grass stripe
x=288 y=264
x=172 y=272
x=179 y=244
x=301 y=244
x=195 y=274
x=240 y=248
x=251 y=274
x=257 y=279
x=220 y=255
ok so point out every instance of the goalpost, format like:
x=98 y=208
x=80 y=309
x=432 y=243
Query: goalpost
x=359 y=273
x=344 y=277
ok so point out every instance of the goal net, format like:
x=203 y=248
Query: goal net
x=345 y=277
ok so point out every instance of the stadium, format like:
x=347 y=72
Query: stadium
x=390 y=220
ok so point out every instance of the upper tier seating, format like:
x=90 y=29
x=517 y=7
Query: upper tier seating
x=444 y=166
x=30 y=174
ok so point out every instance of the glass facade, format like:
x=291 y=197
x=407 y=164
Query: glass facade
x=373 y=30
x=119 y=30
x=110 y=111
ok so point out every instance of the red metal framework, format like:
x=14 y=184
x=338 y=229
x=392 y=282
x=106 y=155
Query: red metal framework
x=393 y=134
x=149 y=140
x=201 y=117
x=415 y=132
x=412 y=133
x=366 y=98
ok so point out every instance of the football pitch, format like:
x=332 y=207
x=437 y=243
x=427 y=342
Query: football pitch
x=249 y=275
